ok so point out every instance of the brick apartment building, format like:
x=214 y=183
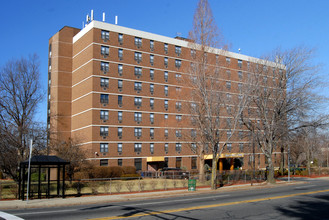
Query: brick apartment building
x=122 y=93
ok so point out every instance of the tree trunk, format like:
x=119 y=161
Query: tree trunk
x=214 y=173
x=270 y=176
x=201 y=169
x=282 y=161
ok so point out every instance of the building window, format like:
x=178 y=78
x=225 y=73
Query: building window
x=178 y=133
x=166 y=104
x=138 y=72
x=193 y=147
x=152 y=103
x=120 y=69
x=151 y=133
x=193 y=53
x=104 y=83
x=152 y=118
x=105 y=51
x=105 y=35
x=138 y=57
x=120 y=162
x=178 y=162
x=104 y=115
x=166 y=116
x=240 y=87
x=105 y=66
x=138 y=86
x=104 y=98
x=120 y=101
x=166 y=133
x=178 y=106
x=151 y=148
x=228 y=73
x=138 y=132
x=151 y=74
x=240 y=134
x=166 y=76
x=240 y=63
x=178 y=77
x=166 y=62
x=166 y=48
x=194 y=163
x=138 y=117
x=104 y=131
x=120 y=116
x=138 y=102
x=241 y=147
x=119 y=147
x=120 y=38
x=229 y=133
x=138 y=164
x=138 y=42
x=120 y=54
x=104 y=147
x=178 y=147
x=228 y=60
x=151 y=59
x=120 y=84
x=178 y=89
x=178 y=118
x=178 y=63
x=240 y=75
x=228 y=97
x=248 y=65
x=228 y=85
x=120 y=132
x=151 y=89
x=138 y=147
x=166 y=90
x=178 y=50
x=229 y=147
x=166 y=148
x=103 y=163
x=193 y=133
x=151 y=45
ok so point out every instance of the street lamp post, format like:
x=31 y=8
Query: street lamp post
x=29 y=172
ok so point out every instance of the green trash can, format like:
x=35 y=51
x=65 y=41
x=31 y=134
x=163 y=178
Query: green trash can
x=191 y=185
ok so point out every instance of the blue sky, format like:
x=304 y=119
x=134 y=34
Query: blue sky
x=255 y=26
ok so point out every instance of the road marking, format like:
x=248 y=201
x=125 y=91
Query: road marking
x=211 y=206
x=301 y=187
x=9 y=216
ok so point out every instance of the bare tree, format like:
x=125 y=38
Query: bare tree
x=209 y=103
x=20 y=94
x=281 y=99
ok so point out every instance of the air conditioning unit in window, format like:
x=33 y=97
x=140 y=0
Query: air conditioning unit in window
x=119 y=153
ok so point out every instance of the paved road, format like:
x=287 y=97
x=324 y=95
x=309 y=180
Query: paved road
x=306 y=201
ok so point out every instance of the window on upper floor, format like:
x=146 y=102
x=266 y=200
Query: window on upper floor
x=152 y=74
x=104 y=82
x=138 y=72
x=166 y=104
x=119 y=148
x=105 y=51
x=240 y=74
x=151 y=103
x=166 y=147
x=178 y=147
x=105 y=35
x=240 y=63
x=241 y=147
x=178 y=106
x=105 y=66
x=228 y=73
x=120 y=85
x=193 y=53
x=166 y=62
x=104 y=115
x=178 y=77
x=193 y=133
x=104 y=98
x=178 y=50
x=120 y=69
x=178 y=133
x=138 y=86
x=104 y=147
x=151 y=89
x=151 y=45
x=120 y=132
x=138 y=57
x=138 y=117
x=120 y=114
x=104 y=131
x=166 y=76
x=240 y=86
x=166 y=48
x=138 y=147
x=120 y=38
x=166 y=133
x=228 y=97
x=151 y=59
x=152 y=133
x=103 y=163
x=178 y=63
x=228 y=85
x=228 y=60
x=120 y=162
x=166 y=90
x=138 y=42
x=152 y=118
x=178 y=118
x=138 y=132
x=151 y=148
x=120 y=54
x=138 y=102
x=120 y=100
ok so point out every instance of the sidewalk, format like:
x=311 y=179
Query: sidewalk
x=84 y=200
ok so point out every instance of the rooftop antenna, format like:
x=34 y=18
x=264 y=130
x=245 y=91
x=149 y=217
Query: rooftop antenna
x=92 y=15
x=103 y=16
x=87 y=19
x=116 y=19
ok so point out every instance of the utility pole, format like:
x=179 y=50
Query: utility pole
x=29 y=172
